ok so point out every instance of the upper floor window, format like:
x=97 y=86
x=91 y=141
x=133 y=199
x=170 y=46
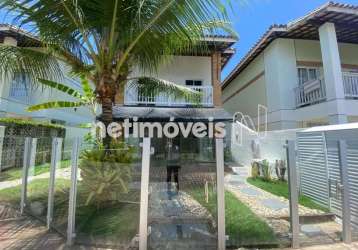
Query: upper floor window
x=194 y=83
x=307 y=75
x=19 y=88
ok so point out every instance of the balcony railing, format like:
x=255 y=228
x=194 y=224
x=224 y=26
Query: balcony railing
x=310 y=93
x=350 y=81
x=132 y=96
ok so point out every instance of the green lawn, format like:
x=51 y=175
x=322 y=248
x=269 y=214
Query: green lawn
x=280 y=188
x=242 y=225
x=16 y=173
x=116 y=223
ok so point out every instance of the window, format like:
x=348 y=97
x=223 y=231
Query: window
x=307 y=74
x=19 y=88
x=193 y=83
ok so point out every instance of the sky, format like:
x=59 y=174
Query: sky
x=251 y=19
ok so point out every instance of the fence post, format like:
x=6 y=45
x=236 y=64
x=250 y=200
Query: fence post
x=346 y=213
x=144 y=193
x=220 y=193
x=293 y=198
x=55 y=158
x=28 y=162
x=73 y=192
x=27 y=145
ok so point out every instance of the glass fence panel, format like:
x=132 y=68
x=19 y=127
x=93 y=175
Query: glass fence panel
x=108 y=194
x=257 y=194
x=62 y=186
x=182 y=209
x=11 y=166
x=38 y=176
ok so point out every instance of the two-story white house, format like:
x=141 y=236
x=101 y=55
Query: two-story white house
x=201 y=72
x=16 y=95
x=304 y=72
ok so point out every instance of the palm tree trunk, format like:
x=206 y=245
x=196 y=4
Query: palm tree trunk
x=107 y=109
x=107 y=117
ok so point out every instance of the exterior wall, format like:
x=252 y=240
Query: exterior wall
x=181 y=68
x=280 y=61
x=281 y=79
x=10 y=107
x=309 y=53
x=247 y=90
x=16 y=107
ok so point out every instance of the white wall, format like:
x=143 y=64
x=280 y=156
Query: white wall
x=280 y=65
x=181 y=68
x=269 y=146
x=248 y=99
x=310 y=51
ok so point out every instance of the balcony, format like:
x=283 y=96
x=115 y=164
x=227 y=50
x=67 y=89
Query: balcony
x=350 y=81
x=310 y=93
x=314 y=92
x=133 y=97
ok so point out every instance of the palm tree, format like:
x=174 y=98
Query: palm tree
x=104 y=40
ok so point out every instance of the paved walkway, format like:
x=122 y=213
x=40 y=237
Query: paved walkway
x=341 y=246
x=261 y=202
x=64 y=173
x=177 y=221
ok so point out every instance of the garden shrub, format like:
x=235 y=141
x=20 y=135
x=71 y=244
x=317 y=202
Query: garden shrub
x=266 y=171
x=280 y=168
x=106 y=174
x=255 y=170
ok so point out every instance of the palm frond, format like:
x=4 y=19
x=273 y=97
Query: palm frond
x=154 y=86
x=30 y=62
x=61 y=87
x=87 y=90
x=55 y=105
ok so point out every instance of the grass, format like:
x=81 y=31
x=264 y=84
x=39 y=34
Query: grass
x=280 y=188
x=117 y=222
x=16 y=173
x=242 y=225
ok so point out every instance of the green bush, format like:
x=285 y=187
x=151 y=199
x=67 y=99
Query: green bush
x=106 y=173
x=255 y=170
x=266 y=171
x=28 y=122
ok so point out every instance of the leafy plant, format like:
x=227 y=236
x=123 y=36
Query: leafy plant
x=255 y=172
x=280 y=168
x=87 y=99
x=266 y=171
x=104 y=40
x=106 y=175
x=27 y=122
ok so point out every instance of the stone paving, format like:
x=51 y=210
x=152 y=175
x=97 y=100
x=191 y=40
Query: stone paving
x=177 y=221
x=261 y=202
x=275 y=211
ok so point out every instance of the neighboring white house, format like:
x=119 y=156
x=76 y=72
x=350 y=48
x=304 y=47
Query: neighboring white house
x=305 y=72
x=17 y=95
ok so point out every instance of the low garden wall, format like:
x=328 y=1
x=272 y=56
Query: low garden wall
x=13 y=137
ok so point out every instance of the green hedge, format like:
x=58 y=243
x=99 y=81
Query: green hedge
x=26 y=122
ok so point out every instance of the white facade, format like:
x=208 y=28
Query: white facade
x=17 y=95
x=273 y=79
x=178 y=70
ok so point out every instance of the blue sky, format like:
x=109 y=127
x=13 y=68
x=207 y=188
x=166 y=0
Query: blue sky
x=251 y=18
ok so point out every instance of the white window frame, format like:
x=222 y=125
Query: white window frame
x=318 y=73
